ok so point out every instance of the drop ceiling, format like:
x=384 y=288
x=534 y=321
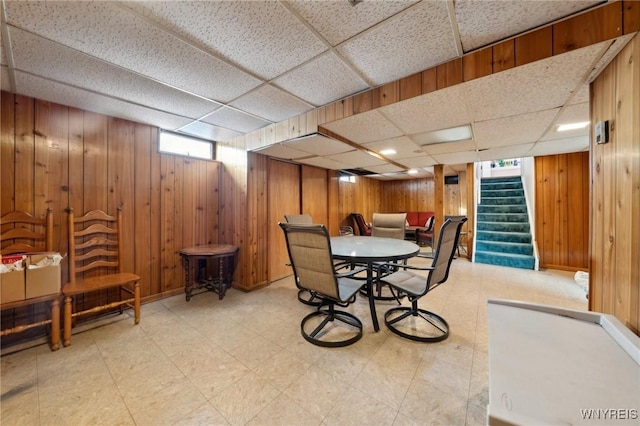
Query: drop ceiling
x=221 y=69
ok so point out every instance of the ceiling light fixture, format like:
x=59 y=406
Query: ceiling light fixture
x=572 y=126
x=452 y=134
x=412 y=171
x=388 y=151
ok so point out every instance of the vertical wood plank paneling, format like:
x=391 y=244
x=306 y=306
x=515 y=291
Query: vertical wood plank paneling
x=335 y=217
x=179 y=216
x=534 y=46
x=588 y=28
x=24 y=154
x=168 y=224
x=429 y=80
x=362 y=102
x=95 y=164
x=142 y=205
x=314 y=195
x=258 y=222
x=120 y=177
x=188 y=189
x=504 y=56
x=449 y=74
x=41 y=130
x=156 y=285
x=477 y=64
x=576 y=237
x=439 y=196
x=631 y=10
x=284 y=198
x=411 y=86
x=7 y=152
x=615 y=201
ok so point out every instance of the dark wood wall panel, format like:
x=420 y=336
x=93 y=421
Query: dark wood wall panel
x=562 y=213
x=57 y=157
x=615 y=200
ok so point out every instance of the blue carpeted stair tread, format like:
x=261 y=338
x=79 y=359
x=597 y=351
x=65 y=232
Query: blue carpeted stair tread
x=503 y=232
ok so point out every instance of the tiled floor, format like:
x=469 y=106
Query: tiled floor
x=242 y=361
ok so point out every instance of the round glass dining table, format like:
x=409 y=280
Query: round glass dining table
x=369 y=250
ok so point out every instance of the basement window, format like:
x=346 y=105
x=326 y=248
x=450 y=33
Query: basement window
x=177 y=144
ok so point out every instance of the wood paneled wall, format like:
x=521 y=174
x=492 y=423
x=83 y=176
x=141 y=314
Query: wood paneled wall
x=615 y=200
x=562 y=211
x=57 y=157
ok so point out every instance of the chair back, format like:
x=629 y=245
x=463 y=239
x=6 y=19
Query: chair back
x=95 y=244
x=389 y=225
x=446 y=248
x=23 y=233
x=299 y=219
x=309 y=250
x=363 y=228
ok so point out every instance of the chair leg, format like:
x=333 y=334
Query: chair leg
x=136 y=302
x=55 y=324
x=66 y=337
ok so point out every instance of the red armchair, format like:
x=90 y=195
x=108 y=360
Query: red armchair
x=363 y=227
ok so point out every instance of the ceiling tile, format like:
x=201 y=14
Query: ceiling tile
x=404 y=147
x=260 y=36
x=319 y=145
x=483 y=22
x=456 y=157
x=419 y=161
x=386 y=168
x=282 y=151
x=505 y=152
x=325 y=163
x=571 y=114
x=443 y=148
x=581 y=95
x=47 y=90
x=71 y=67
x=101 y=29
x=362 y=128
x=356 y=159
x=235 y=120
x=415 y=39
x=208 y=131
x=441 y=109
x=536 y=86
x=560 y=146
x=271 y=104
x=331 y=79
x=337 y=21
x=513 y=130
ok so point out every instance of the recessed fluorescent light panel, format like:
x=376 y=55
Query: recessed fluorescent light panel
x=388 y=152
x=451 y=134
x=573 y=126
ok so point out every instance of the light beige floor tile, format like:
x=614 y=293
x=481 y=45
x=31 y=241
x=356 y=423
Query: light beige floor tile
x=202 y=415
x=385 y=382
x=476 y=416
x=316 y=391
x=357 y=408
x=284 y=411
x=166 y=406
x=282 y=369
x=19 y=404
x=245 y=398
x=255 y=352
x=434 y=406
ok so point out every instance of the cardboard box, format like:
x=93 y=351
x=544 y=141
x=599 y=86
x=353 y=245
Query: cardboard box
x=12 y=288
x=42 y=281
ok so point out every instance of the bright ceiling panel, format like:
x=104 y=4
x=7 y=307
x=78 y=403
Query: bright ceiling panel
x=578 y=113
x=404 y=147
x=208 y=131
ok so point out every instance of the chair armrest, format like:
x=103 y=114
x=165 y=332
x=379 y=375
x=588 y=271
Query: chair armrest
x=351 y=272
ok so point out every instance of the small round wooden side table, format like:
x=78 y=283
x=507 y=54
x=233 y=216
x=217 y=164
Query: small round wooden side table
x=208 y=267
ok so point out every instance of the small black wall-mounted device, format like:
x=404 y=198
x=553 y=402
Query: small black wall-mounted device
x=602 y=132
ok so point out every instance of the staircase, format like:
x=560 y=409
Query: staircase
x=503 y=233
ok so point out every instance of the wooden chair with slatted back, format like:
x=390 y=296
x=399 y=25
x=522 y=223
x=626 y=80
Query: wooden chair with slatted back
x=23 y=233
x=96 y=263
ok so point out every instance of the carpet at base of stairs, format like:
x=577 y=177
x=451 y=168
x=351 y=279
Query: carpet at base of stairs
x=505 y=259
